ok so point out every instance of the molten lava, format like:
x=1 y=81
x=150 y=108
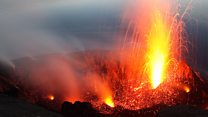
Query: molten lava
x=109 y=102
x=187 y=89
x=158 y=49
x=152 y=61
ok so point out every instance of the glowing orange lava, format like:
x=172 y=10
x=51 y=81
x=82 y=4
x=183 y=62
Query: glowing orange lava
x=109 y=102
x=158 y=49
x=51 y=97
x=187 y=89
x=149 y=58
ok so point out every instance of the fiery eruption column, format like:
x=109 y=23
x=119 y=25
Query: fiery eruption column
x=156 y=37
x=158 y=49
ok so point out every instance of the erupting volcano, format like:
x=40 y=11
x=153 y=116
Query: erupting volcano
x=147 y=71
x=149 y=68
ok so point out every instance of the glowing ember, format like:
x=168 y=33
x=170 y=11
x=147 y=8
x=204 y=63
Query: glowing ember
x=187 y=89
x=109 y=102
x=51 y=97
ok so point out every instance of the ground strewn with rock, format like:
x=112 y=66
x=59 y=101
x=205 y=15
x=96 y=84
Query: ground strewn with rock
x=12 y=107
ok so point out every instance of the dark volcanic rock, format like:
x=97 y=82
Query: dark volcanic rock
x=12 y=107
x=183 y=111
x=79 y=109
x=85 y=109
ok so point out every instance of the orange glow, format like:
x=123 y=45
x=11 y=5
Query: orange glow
x=187 y=89
x=150 y=55
x=158 y=49
x=51 y=97
x=109 y=102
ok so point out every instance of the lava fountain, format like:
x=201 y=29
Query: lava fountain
x=158 y=49
x=157 y=39
x=153 y=58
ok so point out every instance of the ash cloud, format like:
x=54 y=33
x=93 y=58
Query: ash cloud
x=30 y=28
